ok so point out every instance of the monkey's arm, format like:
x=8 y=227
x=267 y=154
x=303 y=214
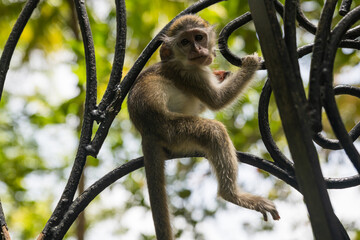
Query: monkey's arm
x=217 y=96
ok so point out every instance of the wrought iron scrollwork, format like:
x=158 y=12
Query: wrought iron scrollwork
x=280 y=160
x=321 y=90
x=321 y=95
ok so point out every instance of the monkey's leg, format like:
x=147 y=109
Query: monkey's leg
x=154 y=159
x=222 y=156
x=212 y=138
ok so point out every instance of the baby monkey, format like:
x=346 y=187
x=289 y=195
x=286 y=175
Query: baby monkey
x=164 y=104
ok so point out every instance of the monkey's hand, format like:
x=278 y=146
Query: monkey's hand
x=264 y=205
x=251 y=62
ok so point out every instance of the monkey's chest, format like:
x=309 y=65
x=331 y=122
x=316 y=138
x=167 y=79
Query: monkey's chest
x=180 y=102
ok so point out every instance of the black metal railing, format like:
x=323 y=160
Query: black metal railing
x=301 y=116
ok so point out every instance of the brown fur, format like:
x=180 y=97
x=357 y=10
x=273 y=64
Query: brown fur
x=164 y=104
x=186 y=22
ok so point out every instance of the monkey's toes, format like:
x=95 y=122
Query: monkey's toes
x=275 y=215
x=266 y=206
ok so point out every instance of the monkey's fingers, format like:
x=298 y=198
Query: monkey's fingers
x=274 y=213
x=266 y=206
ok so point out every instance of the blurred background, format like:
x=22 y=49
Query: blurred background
x=42 y=107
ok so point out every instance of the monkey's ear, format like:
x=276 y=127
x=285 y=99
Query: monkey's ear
x=166 y=52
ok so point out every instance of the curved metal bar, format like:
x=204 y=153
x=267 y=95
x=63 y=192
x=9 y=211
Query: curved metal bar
x=340 y=130
x=224 y=36
x=353 y=33
x=326 y=143
x=341 y=183
x=13 y=40
x=354 y=132
x=345 y=7
x=304 y=50
x=347 y=43
x=322 y=34
x=87 y=126
x=281 y=160
x=119 y=56
x=304 y=22
x=343 y=25
x=291 y=43
x=289 y=96
x=263 y=117
x=334 y=144
x=268 y=166
x=81 y=202
x=300 y=17
x=329 y=103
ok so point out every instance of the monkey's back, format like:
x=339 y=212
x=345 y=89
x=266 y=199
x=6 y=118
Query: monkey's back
x=143 y=105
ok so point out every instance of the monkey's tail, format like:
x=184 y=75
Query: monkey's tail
x=154 y=159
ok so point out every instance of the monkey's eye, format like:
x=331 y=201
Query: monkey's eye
x=198 y=38
x=184 y=42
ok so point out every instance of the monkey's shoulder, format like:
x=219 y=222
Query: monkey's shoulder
x=154 y=69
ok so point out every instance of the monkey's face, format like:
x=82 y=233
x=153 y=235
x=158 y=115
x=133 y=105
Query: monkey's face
x=194 y=47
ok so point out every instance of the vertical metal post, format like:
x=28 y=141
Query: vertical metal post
x=291 y=102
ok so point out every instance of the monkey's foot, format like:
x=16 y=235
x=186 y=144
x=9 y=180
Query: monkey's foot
x=264 y=205
x=253 y=202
